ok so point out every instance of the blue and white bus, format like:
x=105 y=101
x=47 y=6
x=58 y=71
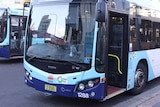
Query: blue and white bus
x=12 y=25
x=94 y=49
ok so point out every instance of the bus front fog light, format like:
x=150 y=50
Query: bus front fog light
x=30 y=78
x=81 y=86
x=92 y=94
x=90 y=83
x=25 y=81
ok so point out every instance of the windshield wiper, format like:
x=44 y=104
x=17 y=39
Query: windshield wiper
x=77 y=66
x=43 y=57
x=31 y=58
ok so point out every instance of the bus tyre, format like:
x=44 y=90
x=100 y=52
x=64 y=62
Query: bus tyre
x=140 y=79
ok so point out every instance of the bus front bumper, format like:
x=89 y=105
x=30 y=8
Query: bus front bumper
x=66 y=89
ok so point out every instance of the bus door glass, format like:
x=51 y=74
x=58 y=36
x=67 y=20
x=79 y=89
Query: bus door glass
x=113 y=41
x=117 y=52
x=1 y=30
x=3 y=25
x=16 y=42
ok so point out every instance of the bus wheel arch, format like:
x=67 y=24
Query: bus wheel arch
x=141 y=76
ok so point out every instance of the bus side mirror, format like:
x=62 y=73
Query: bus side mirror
x=101 y=11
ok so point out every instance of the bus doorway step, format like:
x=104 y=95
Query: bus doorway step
x=113 y=91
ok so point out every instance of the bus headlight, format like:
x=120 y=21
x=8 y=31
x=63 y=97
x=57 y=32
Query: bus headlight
x=28 y=75
x=90 y=84
x=86 y=84
x=30 y=78
x=81 y=86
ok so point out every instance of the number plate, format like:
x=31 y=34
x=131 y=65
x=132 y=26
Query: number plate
x=50 y=88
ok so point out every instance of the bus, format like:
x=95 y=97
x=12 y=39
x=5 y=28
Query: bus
x=12 y=25
x=91 y=49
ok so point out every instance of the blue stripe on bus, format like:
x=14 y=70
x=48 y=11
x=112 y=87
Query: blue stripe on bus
x=68 y=90
x=4 y=51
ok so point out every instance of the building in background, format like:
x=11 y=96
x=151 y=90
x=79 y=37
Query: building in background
x=12 y=3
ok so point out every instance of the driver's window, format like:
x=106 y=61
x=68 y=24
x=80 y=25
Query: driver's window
x=100 y=47
x=3 y=29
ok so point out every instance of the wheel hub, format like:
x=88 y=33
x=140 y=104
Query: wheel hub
x=139 y=78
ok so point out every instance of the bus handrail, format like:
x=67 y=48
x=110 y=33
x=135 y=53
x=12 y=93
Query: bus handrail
x=118 y=59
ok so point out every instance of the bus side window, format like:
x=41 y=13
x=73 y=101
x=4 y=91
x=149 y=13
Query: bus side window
x=156 y=32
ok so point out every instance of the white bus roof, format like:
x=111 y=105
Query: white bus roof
x=12 y=11
x=18 y=12
x=147 y=4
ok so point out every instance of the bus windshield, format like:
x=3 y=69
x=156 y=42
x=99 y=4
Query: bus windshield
x=1 y=11
x=3 y=24
x=62 y=31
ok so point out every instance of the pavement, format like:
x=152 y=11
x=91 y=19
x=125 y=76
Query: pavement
x=150 y=97
x=154 y=101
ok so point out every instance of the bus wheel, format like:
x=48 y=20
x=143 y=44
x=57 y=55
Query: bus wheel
x=140 y=79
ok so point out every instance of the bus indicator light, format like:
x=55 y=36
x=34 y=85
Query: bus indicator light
x=97 y=81
x=104 y=79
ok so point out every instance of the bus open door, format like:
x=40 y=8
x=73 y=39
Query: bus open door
x=115 y=36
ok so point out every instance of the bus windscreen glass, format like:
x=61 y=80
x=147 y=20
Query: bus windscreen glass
x=64 y=34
